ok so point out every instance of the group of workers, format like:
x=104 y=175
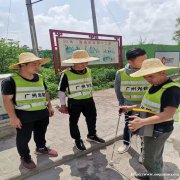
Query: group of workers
x=142 y=83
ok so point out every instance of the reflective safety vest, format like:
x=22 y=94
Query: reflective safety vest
x=80 y=85
x=133 y=89
x=30 y=96
x=152 y=102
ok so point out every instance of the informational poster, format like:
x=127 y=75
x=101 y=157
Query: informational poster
x=169 y=58
x=105 y=50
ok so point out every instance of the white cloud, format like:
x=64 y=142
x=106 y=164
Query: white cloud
x=59 y=10
x=106 y=2
x=59 y=18
x=3 y=18
x=153 y=20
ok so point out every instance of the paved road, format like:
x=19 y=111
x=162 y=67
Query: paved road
x=91 y=164
x=95 y=165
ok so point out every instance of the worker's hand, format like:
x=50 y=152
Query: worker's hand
x=51 y=111
x=63 y=109
x=135 y=123
x=124 y=109
x=16 y=123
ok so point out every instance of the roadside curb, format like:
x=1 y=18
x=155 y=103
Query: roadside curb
x=109 y=140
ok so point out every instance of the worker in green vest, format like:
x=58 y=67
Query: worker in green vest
x=76 y=82
x=27 y=103
x=162 y=98
x=129 y=91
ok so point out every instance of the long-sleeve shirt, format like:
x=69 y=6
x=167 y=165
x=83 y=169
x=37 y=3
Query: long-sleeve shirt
x=63 y=84
x=117 y=87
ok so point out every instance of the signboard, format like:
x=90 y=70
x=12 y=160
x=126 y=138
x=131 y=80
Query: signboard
x=169 y=58
x=106 y=50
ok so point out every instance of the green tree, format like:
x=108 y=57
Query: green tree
x=47 y=54
x=9 y=51
x=51 y=80
x=176 y=36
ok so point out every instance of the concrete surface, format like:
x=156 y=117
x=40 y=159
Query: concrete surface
x=91 y=164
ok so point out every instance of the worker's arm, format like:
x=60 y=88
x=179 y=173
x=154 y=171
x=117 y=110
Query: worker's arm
x=138 y=122
x=9 y=107
x=117 y=86
x=124 y=109
x=63 y=85
x=49 y=105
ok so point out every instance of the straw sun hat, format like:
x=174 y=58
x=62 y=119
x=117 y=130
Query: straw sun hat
x=28 y=57
x=80 y=56
x=150 y=66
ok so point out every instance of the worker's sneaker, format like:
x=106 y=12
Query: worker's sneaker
x=96 y=139
x=80 y=145
x=123 y=148
x=46 y=151
x=28 y=163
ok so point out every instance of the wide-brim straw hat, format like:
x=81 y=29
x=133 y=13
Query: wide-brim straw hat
x=80 y=56
x=150 y=66
x=28 y=57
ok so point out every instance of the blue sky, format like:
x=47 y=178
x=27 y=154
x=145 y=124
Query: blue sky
x=152 y=21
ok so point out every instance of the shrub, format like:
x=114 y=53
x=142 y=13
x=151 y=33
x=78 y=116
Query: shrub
x=51 y=81
x=103 y=77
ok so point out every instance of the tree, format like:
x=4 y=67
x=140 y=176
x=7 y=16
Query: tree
x=9 y=51
x=176 y=36
x=47 y=54
x=142 y=41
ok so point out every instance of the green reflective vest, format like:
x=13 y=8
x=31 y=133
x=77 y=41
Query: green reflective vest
x=133 y=89
x=30 y=96
x=80 y=85
x=152 y=102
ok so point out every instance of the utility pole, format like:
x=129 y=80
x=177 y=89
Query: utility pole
x=94 y=17
x=32 y=26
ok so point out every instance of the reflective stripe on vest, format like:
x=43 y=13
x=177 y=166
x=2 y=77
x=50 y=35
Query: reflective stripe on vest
x=133 y=89
x=27 y=106
x=152 y=102
x=80 y=85
x=80 y=94
x=30 y=96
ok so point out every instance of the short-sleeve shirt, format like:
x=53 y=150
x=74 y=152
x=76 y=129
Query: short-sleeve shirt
x=8 y=87
x=64 y=85
x=170 y=97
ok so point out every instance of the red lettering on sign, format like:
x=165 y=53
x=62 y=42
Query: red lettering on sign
x=163 y=60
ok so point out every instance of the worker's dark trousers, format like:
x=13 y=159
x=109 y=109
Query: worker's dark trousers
x=24 y=135
x=88 y=109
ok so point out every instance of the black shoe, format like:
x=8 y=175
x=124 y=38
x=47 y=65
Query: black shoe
x=96 y=139
x=80 y=145
x=145 y=177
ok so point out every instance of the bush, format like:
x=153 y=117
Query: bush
x=53 y=90
x=103 y=77
x=51 y=80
